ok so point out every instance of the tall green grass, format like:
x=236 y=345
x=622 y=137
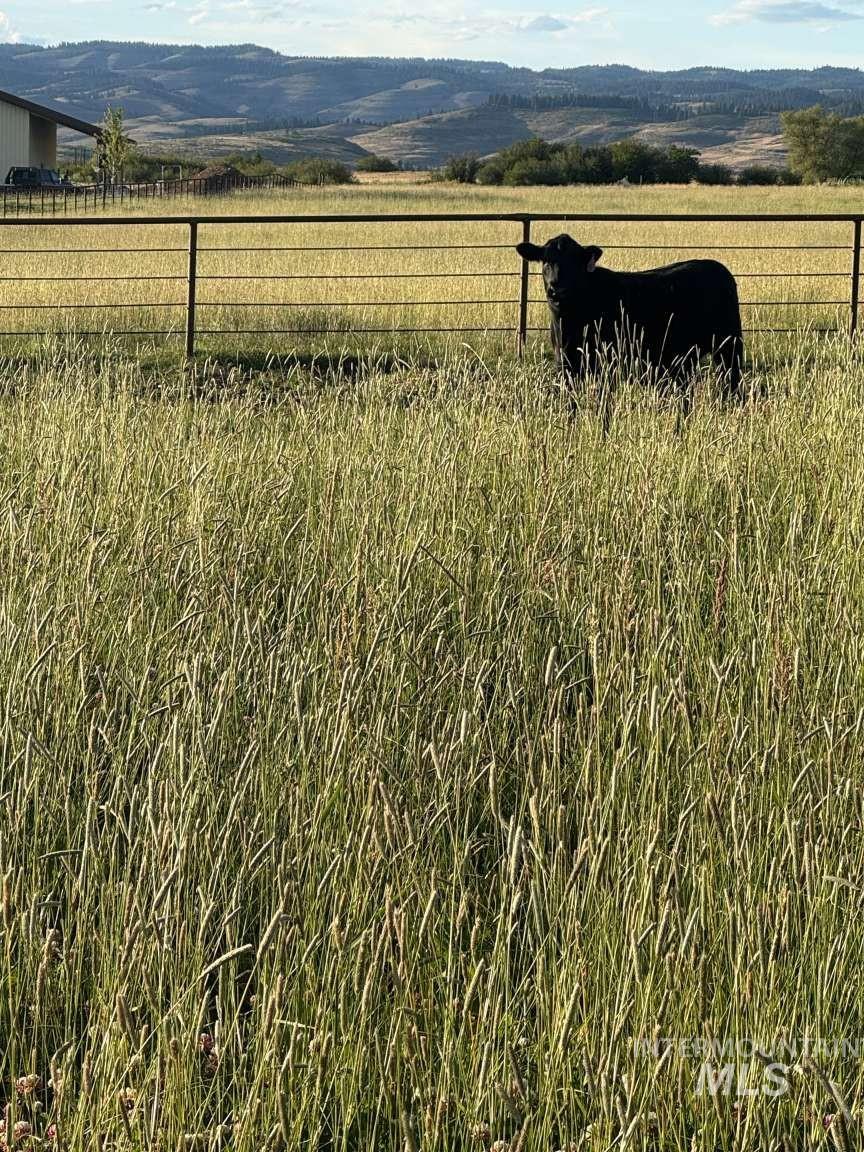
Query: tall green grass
x=382 y=756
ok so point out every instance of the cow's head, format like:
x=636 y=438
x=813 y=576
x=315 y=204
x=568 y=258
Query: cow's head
x=566 y=265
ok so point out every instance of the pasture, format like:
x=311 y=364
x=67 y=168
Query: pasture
x=336 y=288
x=390 y=759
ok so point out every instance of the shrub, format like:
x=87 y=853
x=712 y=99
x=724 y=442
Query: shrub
x=535 y=162
x=373 y=163
x=462 y=169
x=598 y=166
x=570 y=164
x=317 y=170
x=677 y=165
x=250 y=163
x=714 y=174
x=492 y=172
x=632 y=160
x=528 y=172
x=533 y=150
x=764 y=174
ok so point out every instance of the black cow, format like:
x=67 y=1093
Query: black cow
x=671 y=317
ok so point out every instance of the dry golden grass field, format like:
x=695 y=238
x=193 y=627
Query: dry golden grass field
x=270 y=286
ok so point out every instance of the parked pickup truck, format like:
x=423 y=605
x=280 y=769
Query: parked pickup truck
x=23 y=177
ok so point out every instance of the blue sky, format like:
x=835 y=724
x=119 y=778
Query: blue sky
x=536 y=33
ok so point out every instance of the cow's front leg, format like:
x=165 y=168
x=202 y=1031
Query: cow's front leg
x=596 y=360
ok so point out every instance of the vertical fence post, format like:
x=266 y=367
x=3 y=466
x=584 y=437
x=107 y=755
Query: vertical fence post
x=190 y=298
x=522 y=334
x=856 y=277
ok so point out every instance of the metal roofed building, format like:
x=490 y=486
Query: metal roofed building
x=28 y=133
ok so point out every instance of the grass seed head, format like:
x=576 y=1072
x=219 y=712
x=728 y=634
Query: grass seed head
x=481 y=1134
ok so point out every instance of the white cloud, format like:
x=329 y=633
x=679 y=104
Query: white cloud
x=390 y=28
x=200 y=14
x=8 y=34
x=785 y=12
x=444 y=23
x=261 y=13
x=233 y=17
x=548 y=22
x=544 y=24
x=451 y=23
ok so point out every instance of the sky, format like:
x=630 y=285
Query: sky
x=533 y=33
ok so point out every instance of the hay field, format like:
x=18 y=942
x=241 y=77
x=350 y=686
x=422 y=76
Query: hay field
x=393 y=760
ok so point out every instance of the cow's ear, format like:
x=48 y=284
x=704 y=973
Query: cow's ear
x=530 y=251
x=593 y=254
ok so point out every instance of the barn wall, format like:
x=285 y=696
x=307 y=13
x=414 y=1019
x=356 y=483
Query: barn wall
x=43 y=143
x=14 y=138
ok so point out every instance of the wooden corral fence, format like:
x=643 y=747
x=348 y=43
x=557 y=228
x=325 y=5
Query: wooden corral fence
x=223 y=276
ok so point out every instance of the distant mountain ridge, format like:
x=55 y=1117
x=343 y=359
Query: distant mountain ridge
x=414 y=110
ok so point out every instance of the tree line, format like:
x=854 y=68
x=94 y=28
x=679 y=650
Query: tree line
x=823 y=146
x=643 y=109
x=535 y=161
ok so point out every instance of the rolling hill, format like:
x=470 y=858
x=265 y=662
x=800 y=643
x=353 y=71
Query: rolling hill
x=209 y=101
x=427 y=142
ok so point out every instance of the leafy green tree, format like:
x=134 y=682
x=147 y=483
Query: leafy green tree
x=537 y=162
x=462 y=169
x=492 y=171
x=848 y=147
x=808 y=138
x=822 y=145
x=533 y=149
x=115 y=145
x=677 y=165
x=598 y=166
x=634 y=161
x=570 y=162
x=528 y=172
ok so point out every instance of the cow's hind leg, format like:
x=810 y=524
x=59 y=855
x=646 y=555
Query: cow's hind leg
x=681 y=377
x=729 y=357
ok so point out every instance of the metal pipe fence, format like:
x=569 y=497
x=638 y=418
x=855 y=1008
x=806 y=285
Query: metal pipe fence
x=73 y=198
x=288 y=278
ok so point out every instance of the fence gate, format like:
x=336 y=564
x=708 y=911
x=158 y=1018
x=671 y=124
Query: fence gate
x=284 y=281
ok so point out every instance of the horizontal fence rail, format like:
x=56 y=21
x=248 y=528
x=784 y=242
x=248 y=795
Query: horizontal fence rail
x=65 y=199
x=288 y=279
